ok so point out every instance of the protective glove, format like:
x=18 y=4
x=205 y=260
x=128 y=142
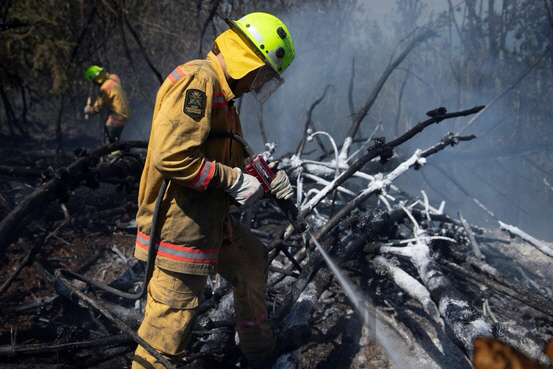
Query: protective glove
x=246 y=189
x=280 y=186
x=87 y=109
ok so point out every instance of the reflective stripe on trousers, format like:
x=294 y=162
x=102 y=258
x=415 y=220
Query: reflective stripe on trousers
x=173 y=302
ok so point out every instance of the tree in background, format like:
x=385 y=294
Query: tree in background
x=483 y=51
x=47 y=46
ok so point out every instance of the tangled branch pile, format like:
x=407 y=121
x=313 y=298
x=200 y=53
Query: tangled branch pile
x=396 y=248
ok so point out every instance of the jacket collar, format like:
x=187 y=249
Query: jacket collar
x=218 y=68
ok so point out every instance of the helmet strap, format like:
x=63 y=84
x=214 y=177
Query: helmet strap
x=232 y=84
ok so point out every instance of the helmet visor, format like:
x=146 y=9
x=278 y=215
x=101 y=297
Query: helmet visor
x=265 y=83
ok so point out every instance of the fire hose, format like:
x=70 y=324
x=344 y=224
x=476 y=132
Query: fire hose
x=256 y=167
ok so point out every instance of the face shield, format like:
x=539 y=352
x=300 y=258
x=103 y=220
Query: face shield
x=265 y=83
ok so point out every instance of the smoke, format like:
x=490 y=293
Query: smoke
x=506 y=168
x=325 y=44
x=496 y=168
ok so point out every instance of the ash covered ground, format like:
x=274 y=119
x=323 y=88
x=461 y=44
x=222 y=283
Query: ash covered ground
x=34 y=313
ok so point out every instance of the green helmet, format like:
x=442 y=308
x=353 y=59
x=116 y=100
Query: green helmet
x=270 y=36
x=93 y=72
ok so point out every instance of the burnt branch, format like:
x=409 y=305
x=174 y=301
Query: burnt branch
x=21 y=172
x=472 y=240
x=129 y=58
x=529 y=298
x=309 y=123
x=350 y=89
x=61 y=183
x=495 y=99
x=261 y=129
x=124 y=327
x=45 y=348
x=139 y=43
x=422 y=35
x=24 y=262
x=546 y=250
x=209 y=19
x=377 y=186
x=384 y=150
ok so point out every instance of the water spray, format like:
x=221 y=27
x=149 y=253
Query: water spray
x=363 y=306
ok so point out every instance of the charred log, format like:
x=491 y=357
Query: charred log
x=63 y=181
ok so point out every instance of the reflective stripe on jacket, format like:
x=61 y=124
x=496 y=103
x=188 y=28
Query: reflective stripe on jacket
x=113 y=98
x=193 y=219
x=179 y=252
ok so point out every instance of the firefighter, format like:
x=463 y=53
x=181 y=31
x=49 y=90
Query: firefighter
x=112 y=97
x=197 y=236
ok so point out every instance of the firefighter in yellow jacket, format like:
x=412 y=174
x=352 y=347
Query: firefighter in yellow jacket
x=112 y=97
x=197 y=237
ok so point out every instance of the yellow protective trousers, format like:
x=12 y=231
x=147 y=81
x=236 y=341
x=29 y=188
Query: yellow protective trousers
x=174 y=300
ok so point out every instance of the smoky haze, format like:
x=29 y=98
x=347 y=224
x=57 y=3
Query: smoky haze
x=504 y=167
x=470 y=60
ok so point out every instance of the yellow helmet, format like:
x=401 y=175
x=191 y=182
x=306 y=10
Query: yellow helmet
x=270 y=36
x=273 y=44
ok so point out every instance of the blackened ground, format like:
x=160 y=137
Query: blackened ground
x=32 y=314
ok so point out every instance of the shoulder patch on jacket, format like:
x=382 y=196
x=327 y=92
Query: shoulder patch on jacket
x=194 y=103
x=176 y=75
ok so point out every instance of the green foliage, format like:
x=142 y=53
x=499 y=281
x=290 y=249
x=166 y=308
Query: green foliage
x=56 y=40
x=43 y=48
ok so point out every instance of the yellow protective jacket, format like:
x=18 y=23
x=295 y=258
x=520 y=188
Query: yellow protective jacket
x=112 y=97
x=193 y=101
